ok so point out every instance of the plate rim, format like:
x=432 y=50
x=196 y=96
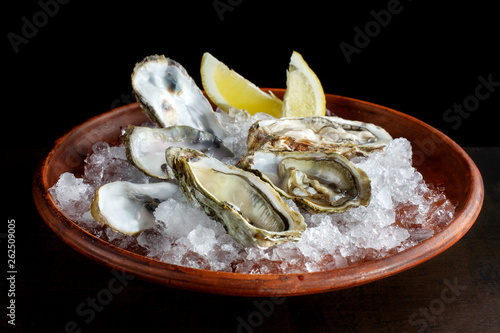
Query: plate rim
x=229 y=283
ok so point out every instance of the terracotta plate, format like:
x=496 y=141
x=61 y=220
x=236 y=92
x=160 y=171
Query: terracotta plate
x=440 y=160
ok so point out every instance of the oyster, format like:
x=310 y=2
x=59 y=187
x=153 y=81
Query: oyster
x=127 y=207
x=319 y=133
x=145 y=146
x=251 y=210
x=318 y=182
x=170 y=97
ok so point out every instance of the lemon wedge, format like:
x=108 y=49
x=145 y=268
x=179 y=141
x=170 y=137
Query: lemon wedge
x=304 y=96
x=227 y=89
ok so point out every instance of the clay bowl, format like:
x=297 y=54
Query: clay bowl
x=440 y=160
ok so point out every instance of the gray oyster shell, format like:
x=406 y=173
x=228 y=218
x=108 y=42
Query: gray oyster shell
x=145 y=147
x=319 y=133
x=253 y=213
x=127 y=207
x=316 y=181
x=170 y=97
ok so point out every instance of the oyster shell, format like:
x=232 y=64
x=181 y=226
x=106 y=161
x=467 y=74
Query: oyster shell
x=319 y=133
x=317 y=181
x=253 y=213
x=127 y=207
x=170 y=97
x=145 y=146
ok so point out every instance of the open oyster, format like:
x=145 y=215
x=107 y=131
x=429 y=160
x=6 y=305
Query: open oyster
x=251 y=210
x=127 y=207
x=170 y=97
x=317 y=181
x=145 y=146
x=347 y=137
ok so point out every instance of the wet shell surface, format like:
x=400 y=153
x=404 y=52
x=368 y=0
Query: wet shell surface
x=320 y=133
x=170 y=97
x=145 y=146
x=318 y=182
x=252 y=211
x=127 y=207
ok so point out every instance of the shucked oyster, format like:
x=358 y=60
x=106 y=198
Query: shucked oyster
x=251 y=210
x=316 y=181
x=128 y=207
x=347 y=137
x=170 y=97
x=145 y=146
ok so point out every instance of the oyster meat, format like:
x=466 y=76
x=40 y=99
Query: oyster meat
x=145 y=146
x=127 y=207
x=317 y=181
x=170 y=97
x=252 y=211
x=318 y=133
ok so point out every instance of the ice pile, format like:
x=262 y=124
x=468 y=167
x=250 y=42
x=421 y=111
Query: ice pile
x=403 y=212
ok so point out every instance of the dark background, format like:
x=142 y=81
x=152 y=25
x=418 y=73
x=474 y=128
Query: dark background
x=427 y=59
x=77 y=62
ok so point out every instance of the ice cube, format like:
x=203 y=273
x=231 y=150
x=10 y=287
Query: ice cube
x=203 y=240
x=403 y=211
x=72 y=195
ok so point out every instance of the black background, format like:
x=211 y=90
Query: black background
x=78 y=61
x=424 y=61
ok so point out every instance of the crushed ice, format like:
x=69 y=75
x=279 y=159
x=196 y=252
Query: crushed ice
x=403 y=212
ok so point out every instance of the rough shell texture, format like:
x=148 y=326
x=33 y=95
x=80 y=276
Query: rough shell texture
x=318 y=182
x=446 y=164
x=127 y=207
x=347 y=137
x=170 y=97
x=251 y=210
x=145 y=146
